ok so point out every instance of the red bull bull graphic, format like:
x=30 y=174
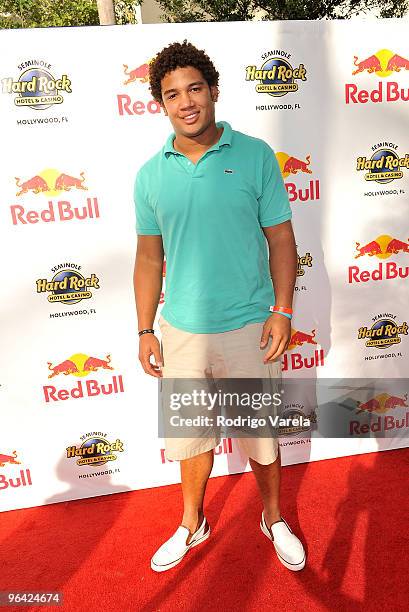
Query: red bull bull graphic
x=276 y=76
x=35 y=185
x=298 y=338
x=380 y=405
x=23 y=479
x=128 y=106
x=68 y=285
x=296 y=361
x=65 y=182
x=371 y=64
x=385 y=164
x=95 y=450
x=382 y=248
x=384 y=332
x=293 y=166
x=66 y=367
x=383 y=63
x=139 y=74
x=80 y=366
x=52 y=182
x=36 y=87
x=12 y=459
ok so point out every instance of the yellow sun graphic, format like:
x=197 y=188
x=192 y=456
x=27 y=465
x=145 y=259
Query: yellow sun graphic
x=384 y=55
x=50 y=175
x=79 y=359
x=282 y=158
x=383 y=242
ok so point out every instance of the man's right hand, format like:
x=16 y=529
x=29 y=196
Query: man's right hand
x=149 y=345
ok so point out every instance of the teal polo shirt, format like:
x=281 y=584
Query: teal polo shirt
x=210 y=216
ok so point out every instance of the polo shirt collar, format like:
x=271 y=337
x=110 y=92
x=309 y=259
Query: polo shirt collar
x=225 y=139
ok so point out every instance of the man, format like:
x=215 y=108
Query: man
x=211 y=200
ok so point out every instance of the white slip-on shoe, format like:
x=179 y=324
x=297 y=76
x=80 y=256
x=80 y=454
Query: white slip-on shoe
x=289 y=549
x=173 y=550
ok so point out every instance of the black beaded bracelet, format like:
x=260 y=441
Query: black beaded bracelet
x=146 y=331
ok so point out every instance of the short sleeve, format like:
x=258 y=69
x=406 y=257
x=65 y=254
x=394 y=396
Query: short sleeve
x=274 y=206
x=146 y=223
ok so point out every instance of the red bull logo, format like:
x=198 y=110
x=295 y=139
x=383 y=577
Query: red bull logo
x=36 y=86
x=139 y=74
x=382 y=247
x=55 y=211
x=380 y=405
x=276 y=76
x=298 y=338
x=224 y=448
x=291 y=166
x=95 y=449
x=52 y=182
x=383 y=63
x=384 y=332
x=80 y=366
x=296 y=361
x=12 y=459
x=24 y=476
x=128 y=106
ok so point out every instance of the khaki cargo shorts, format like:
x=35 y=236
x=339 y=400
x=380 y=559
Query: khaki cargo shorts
x=231 y=354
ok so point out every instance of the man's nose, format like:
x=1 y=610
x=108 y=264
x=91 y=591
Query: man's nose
x=185 y=100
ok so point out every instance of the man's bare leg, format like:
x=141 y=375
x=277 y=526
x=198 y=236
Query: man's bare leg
x=268 y=481
x=195 y=473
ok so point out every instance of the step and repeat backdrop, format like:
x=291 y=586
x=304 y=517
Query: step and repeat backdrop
x=78 y=415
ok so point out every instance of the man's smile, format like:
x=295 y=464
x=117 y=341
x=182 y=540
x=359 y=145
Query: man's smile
x=191 y=118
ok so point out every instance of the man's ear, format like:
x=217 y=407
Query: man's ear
x=164 y=109
x=214 y=93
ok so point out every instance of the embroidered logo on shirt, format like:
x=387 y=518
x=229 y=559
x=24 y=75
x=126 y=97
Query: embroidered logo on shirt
x=228 y=171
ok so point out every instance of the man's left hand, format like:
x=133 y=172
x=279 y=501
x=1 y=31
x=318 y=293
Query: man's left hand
x=279 y=328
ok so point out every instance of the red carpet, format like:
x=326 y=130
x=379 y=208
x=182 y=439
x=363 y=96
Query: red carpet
x=352 y=514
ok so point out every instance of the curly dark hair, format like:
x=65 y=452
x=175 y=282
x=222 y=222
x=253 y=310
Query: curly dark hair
x=179 y=55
